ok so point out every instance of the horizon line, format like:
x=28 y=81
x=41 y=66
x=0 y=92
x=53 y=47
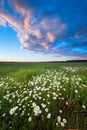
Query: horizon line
x=43 y=61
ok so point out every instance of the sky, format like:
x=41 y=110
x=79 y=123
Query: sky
x=43 y=30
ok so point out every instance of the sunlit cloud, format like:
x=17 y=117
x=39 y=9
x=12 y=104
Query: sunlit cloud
x=48 y=27
x=50 y=37
x=2 y=22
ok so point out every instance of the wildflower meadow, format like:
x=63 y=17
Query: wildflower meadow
x=54 y=99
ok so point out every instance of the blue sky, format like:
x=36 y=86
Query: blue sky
x=43 y=30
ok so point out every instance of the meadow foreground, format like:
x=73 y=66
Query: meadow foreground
x=55 y=99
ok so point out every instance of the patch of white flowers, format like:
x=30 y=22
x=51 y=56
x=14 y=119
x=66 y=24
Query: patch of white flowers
x=61 y=121
x=13 y=110
x=49 y=115
x=44 y=95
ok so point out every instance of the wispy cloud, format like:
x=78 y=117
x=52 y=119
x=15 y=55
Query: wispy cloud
x=48 y=27
x=2 y=22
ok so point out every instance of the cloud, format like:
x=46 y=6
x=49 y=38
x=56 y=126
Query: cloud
x=50 y=37
x=48 y=27
x=2 y=22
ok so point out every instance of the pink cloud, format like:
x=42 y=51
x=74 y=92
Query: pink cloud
x=35 y=34
x=50 y=37
x=2 y=22
x=12 y=20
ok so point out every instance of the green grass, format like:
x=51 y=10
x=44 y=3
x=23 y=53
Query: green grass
x=20 y=79
x=26 y=70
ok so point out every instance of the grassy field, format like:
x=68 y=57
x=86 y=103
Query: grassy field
x=26 y=70
x=43 y=96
